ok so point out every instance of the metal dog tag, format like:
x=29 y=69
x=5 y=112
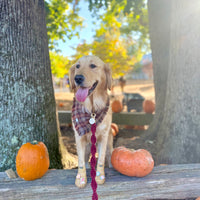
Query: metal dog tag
x=92 y=119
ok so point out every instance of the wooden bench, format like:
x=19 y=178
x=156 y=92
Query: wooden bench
x=165 y=182
x=123 y=118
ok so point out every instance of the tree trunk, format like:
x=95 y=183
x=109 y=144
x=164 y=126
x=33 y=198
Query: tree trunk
x=175 y=39
x=27 y=104
x=160 y=35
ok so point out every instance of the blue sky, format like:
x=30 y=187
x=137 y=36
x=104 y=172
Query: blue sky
x=86 y=33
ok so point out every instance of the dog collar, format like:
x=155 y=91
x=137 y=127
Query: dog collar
x=81 y=118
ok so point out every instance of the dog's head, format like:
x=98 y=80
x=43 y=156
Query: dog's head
x=88 y=75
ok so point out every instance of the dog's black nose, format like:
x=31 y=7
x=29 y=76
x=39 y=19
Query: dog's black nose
x=79 y=79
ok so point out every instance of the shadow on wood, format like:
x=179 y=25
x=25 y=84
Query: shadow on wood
x=165 y=182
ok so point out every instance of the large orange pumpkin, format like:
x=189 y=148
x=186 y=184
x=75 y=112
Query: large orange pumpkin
x=32 y=161
x=115 y=129
x=137 y=163
x=117 y=106
x=148 y=106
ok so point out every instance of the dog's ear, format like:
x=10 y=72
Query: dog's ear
x=71 y=77
x=108 y=76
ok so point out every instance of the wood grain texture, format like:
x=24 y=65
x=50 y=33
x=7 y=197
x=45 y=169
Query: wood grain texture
x=124 y=118
x=165 y=182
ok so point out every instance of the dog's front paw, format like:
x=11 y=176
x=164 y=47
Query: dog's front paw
x=81 y=178
x=100 y=175
x=81 y=181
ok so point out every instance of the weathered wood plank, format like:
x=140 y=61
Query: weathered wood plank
x=165 y=182
x=127 y=118
x=124 y=118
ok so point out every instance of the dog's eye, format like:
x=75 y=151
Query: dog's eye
x=77 y=66
x=93 y=66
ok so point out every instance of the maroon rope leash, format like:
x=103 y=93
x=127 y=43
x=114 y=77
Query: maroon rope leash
x=93 y=159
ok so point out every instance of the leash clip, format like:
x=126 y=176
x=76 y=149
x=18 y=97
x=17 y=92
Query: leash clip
x=92 y=119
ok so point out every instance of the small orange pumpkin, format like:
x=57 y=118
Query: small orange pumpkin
x=61 y=104
x=117 y=106
x=32 y=160
x=115 y=129
x=148 y=106
x=137 y=163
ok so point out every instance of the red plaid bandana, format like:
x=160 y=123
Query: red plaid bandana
x=81 y=118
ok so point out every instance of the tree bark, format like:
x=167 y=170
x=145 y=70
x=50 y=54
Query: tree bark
x=175 y=39
x=160 y=35
x=27 y=108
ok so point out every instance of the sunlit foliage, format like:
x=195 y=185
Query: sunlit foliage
x=61 y=20
x=120 y=39
x=59 y=64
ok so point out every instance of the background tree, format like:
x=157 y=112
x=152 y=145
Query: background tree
x=124 y=23
x=109 y=43
x=111 y=51
x=62 y=20
x=132 y=17
x=81 y=49
x=59 y=64
x=27 y=108
x=174 y=31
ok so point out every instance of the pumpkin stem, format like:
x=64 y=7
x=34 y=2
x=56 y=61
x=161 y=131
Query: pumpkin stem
x=34 y=142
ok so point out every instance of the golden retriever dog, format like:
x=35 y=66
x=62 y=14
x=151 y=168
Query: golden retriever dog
x=90 y=78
